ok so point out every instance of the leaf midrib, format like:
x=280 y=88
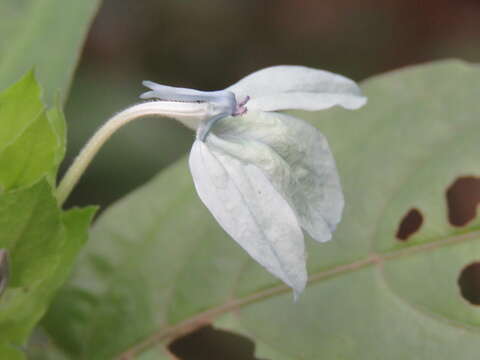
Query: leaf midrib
x=209 y=315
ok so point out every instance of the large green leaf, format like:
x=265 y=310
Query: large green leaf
x=32 y=140
x=158 y=265
x=42 y=243
x=41 y=240
x=46 y=35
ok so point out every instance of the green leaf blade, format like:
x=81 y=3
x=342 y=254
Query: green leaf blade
x=41 y=240
x=20 y=105
x=32 y=29
x=42 y=244
x=30 y=157
x=34 y=138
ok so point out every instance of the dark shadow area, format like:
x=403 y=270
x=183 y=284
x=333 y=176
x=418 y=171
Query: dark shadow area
x=208 y=343
x=463 y=197
x=410 y=224
x=469 y=282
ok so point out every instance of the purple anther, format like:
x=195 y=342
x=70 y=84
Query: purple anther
x=241 y=109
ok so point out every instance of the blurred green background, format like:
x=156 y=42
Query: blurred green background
x=211 y=44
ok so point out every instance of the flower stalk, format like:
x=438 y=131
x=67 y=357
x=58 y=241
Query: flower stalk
x=182 y=111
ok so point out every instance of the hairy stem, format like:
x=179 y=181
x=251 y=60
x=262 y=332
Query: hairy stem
x=181 y=111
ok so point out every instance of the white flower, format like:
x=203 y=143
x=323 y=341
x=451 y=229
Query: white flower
x=266 y=175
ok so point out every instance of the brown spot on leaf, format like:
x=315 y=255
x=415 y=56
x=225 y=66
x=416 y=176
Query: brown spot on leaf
x=469 y=282
x=463 y=197
x=208 y=343
x=410 y=224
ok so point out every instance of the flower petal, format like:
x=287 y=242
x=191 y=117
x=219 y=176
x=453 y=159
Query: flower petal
x=251 y=211
x=297 y=87
x=295 y=157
